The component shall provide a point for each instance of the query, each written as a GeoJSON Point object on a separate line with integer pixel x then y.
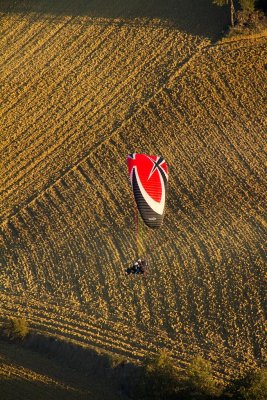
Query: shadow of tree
{"type": "Point", "coordinates": [198, 17]}
{"type": "Point", "coordinates": [51, 368]}
{"type": "Point", "coordinates": [23, 388]}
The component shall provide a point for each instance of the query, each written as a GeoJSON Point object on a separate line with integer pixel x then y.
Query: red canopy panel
{"type": "Point", "coordinates": [149, 180]}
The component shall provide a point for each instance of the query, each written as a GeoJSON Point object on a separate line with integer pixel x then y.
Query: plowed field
{"type": "Point", "coordinates": [79, 94]}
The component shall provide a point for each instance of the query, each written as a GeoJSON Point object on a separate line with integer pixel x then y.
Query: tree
{"type": "Point", "coordinates": [160, 380]}
{"type": "Point", "coordinates": [257, 388]}
{"type": "Point", "coordinates": [16, 328]}
{"type": "Point", "coordinates": [200, 379]}
{"type": "Point", "coordinates": [252, 386]}
{"type": "Point", "coordinates": [247, 6]}
{"type": "Point", "coordinates": [232, 8]}
{"type": "Point", "coordinates": [247, 19]}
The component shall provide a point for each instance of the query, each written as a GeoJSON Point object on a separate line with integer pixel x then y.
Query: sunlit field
{"type": "Point", "coordinates": [79, 93]}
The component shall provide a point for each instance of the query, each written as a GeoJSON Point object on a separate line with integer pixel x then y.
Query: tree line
{"type": "Point", "coordinates": [162, 381]}
{"type": "Point", "coordinates": [245, 15]}
{"type": "Point", "coordinates": [157, 378]}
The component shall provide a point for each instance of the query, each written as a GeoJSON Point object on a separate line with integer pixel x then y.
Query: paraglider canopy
{"type": "Point", "coordinates": [149, 180]}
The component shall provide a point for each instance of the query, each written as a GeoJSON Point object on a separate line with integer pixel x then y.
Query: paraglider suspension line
{"type": "Point", "coordinates": [148, 246]}
{"type": "Point", "coordinates": [149, 242]}
{"type": "Point", "coordinates": [137, 230]}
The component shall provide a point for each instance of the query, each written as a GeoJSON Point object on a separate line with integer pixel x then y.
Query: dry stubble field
{"type": "Point", "coordinates": [79, 94]}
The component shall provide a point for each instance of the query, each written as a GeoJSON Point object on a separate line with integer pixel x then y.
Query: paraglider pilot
{"type": "Point", "coordinates": [138, 267]}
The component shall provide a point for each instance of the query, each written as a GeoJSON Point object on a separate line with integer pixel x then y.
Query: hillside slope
{"type": "Point", "coordinates": [29, 375]}
{"type": "Point", "coordinates": [70, 82]}
{"type": "Point", "coordinates": [80, 94]}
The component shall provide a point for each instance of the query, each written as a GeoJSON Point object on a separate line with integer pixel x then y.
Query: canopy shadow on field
{"type": "Point", "coordinates": [197, 17]}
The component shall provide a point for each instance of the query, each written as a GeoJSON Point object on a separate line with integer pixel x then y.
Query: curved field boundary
{"type": "Point", "coordinates": [80, 85]}
{"type": "Point", "coordinates": [115, 131]}
{"type": "Point", "coordinates": [203, 47]}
